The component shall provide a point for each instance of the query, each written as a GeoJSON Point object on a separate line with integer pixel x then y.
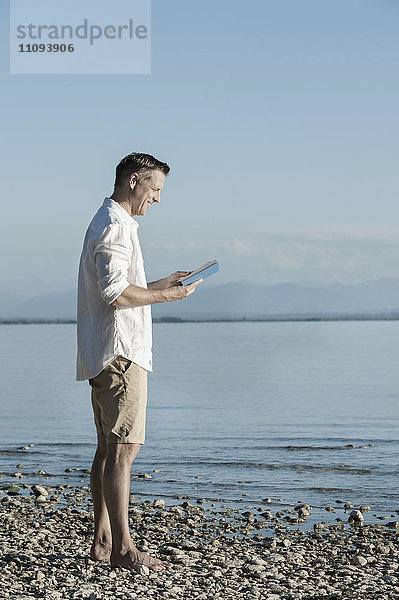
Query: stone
{"type": "Point", "coordinates": [159, 503]}
{"type": "Point", "coordinates": [39, 490]}
{"type": "Point", "coordinates": [356, 517]}
{"type": "Point", "coordinates": [142, 570]}
{"type": "Point", "coordinates": [359, 561]}
{"type": "Point", "coordinates": [40, 499]}
{"type": "Point", "coordinates": [392, 525]}
{"type": "Point", "coordinates": [303, 512]}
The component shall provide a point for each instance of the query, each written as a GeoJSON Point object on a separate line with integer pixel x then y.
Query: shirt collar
{"type": "Point", "coordinates": [109, 203]}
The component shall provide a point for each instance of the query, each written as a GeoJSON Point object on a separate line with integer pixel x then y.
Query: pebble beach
{"type": "Point", "coordinates": [218, 552]}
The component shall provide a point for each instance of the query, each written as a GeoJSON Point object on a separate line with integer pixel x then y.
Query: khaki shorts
{"type": "Point", "coordinates": [119, 400]}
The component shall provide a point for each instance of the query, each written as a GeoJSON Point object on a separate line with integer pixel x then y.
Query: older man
{"type": "Point", "coordinates": [114, 348]}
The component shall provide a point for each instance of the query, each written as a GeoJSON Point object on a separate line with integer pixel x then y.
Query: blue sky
{"type": "Point", "coordinates": [279, 119]}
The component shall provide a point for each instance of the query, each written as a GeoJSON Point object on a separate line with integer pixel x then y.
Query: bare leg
{"type": "Point", "coordinates": [102, 542]}
{"type": "Point", "coordinates": [116, 489]}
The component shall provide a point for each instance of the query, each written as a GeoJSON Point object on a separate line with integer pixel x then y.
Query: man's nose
{"type": "Point", "coordinates": [157, 197]}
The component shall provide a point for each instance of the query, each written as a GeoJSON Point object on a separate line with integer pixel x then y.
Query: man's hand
{"type": "Point", "coordinates": [167, 282]}
{"type": "Point", "coordinates": [179, 292]}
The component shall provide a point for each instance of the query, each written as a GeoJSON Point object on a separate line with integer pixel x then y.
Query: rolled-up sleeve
{"type": "Point", "coordinates": [113, 254]}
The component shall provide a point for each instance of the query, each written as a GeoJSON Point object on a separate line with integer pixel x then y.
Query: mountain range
{"type": "Point", "coordinates": [235, 301]}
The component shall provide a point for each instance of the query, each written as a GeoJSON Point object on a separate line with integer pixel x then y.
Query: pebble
{"type": "Point", "coordinates": [39, 490]}
{"type": "Point", "coordinates": [13, 490]}
{"type": "Point", "coordinates": [356, 516]}
{"type": "Point", "coordinates": [159, 503]}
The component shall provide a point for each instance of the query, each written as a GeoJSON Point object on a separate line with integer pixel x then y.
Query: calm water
{"type": "Point", "coordinates": [263, 409]}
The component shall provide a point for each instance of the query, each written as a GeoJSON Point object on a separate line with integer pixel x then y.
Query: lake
{"type": "Point", "coordinates": [293, 411]}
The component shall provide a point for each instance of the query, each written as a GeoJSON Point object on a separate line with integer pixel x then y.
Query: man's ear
{"type": "Point", "coordinates": [133, 180]}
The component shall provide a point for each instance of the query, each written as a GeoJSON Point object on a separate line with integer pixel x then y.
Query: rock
{"type": "Point", "coordinates": [41, 472]}
{"type": "Point", "coordinates": [303, 512]}
{"type": "Point", "coordinates": [381, 549]}
{"type": "Point", "coordinates": [142, 570]}
{"type": "Point", "coordinates": [356, 517]}
{"type": "Point", "coordinates": [40, 576]}
{"type": "Point", "coordinates": [40, 499]}
{"type": "Point", "coordinates": [267, 500]}
{"type": "Point", "coordinates": [359, 561]}
{"type": "Point", "coordinates": [392, 525]}
{"type": "Point", "coordinates": [176, 509]}
{"type": "Point", "coordinates": [270, 542]}
{"type": "Point", "coordinates": [13, 490]}
{"type": "Point", "coordinates": [159, 503]}
{"type": "Point", "coordinates": [39, 490]}
{"type": "Point", "coordinates": [364, 508]}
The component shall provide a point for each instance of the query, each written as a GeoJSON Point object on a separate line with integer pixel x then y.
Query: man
{"type": "Point", "coordinates": [114, 348]}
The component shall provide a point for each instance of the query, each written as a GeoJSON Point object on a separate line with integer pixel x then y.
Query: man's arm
{"type": "Point", "coordinates": [166, 282]}
{"type": "Point", "coordinates": [134, 295]}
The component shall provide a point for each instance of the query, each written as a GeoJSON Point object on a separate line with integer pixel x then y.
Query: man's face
{"type": "Point", "coordinates": [144, 194]}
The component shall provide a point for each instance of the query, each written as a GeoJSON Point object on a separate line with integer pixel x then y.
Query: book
{"type": "Point", "coordinates": [206, 270]}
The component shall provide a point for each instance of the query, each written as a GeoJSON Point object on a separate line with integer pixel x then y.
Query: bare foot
{"type": "Point", "coordinates": [133, 559]}
{"type": "Point", "coordinates": [100, 551]}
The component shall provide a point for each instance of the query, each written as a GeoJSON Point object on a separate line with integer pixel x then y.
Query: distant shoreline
{"type": "Point", "coordinates": [276, 319]}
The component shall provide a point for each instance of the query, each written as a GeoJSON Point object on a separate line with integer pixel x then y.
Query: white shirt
{"type": "Point", "coordinates": [111, 260]}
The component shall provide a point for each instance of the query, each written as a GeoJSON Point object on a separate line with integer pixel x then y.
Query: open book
{"type": "Point", "coordinates": [209, 268]}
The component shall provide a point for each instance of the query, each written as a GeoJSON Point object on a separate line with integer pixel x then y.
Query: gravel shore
{"type": "Point", "coordinates": [220, 552]}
